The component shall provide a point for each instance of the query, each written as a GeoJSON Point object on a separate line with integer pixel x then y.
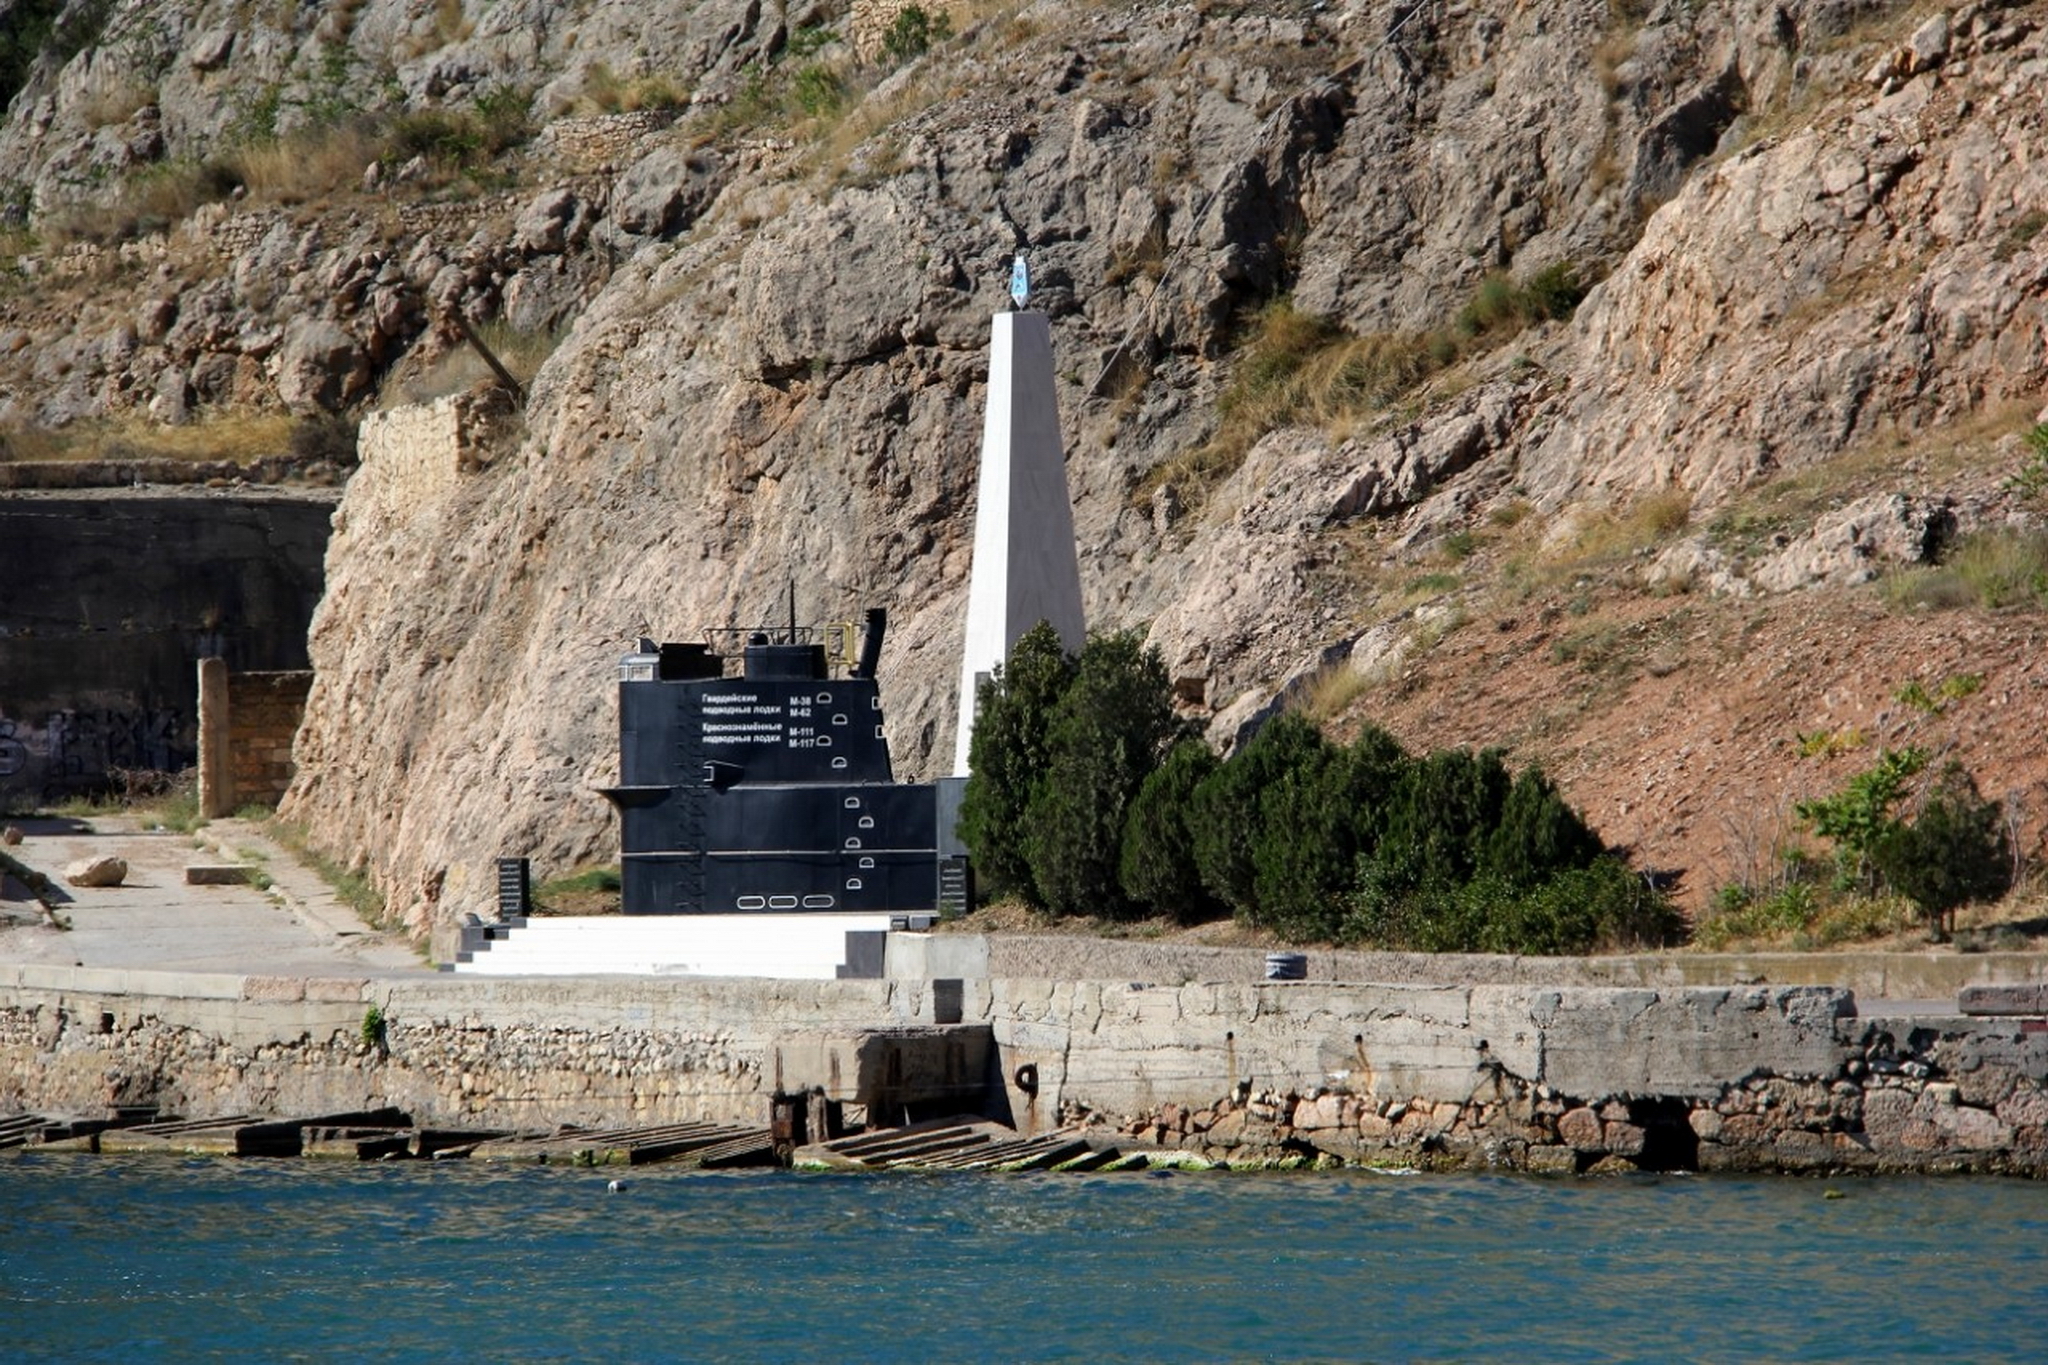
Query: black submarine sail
{"type": "Point", "coordinates": [771, 791]}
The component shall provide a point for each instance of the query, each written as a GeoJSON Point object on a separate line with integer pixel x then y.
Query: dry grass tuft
{"type": "Point", "coordinates": [117, 104]}
{"type": "Point", "coordinates": [1331, 692]}
{"type": "Point", "coordinates": [605, 92]}
{"type": "Point", "coordinates": [302, 169]}
{"type": "Point", "coordinates": [304, 166]}
{"type": "Point", "coordinates": [461, 369]}
{"type": "Point", "coordinates": [243, 436]}
{"type": "Point", "coordinates": [1996, 570]}
{"type": "Point", "coordinates": [1297, 368]}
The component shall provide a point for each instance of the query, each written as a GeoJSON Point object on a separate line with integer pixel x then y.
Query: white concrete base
{"type": "Point", "coordinates": [791, 947]}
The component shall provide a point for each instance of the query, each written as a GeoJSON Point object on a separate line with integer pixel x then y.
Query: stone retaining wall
{"type": "Point", "coordinates": [1875, 975]}
{"type": "Point", "coordinates": [246, 725]}
{"type": "Point", "coordinates": [1537, 1078]}
{"type": "Point", "coordinates": [55, 475]}
{"type": "Point", "coordinates": [610, 140]}
{"type": "Point", "coordinates": [447, 1050]}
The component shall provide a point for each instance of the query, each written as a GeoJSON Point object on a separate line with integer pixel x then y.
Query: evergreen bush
{"type": "Point", "coordinates": [1439, 821]}
{"type": "Point", "coordinates": [1009, 752]}
{"type": "Point", "coordinates": [1539, 834]}
{"type": "Point", "coordinates": [1106, 734]}
{"type": "Point", "coordinates": [1157, 859]}
{"type": "Point", "coordinates": [1226, 819]}
{"type": "Point", "coordinates": [914, 31]}
{"type": "Point", "coordinates": [1314, 822]}
{"type": "Point", "coordinates": [1573, 910]}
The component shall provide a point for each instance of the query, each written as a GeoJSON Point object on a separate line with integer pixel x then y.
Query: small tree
{"type": "Point", "coordinates": [1008, 756]}
{"type": "Point", "coordinates": [914, 30]}
{"type": "Point", "coordinates": [1859, 816]}
{"type": "Point", "coordinates": [1105, 735]}
{"type": "Point", "coordinates": [1953, 852]}
{"type": "Point", "coordinates": [1157, 859]}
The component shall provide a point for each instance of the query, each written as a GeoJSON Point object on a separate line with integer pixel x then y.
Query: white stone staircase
{"type": "Point", "coordinates": [813, 947]}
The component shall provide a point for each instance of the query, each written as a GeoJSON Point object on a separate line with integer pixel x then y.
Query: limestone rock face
{"type": "Point", "coordinates": [1802, 293]}
{"type": "Point", "coordinates": [1854, 543]}
{"type": "Point", "coordinates": [320, 368]}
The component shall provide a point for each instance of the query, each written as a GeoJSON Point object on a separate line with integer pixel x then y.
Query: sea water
{"type": "Point", "coordinates": [138, 1258]}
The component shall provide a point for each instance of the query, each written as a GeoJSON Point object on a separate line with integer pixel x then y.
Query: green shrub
{"type": "Point", "coordinates": [914, 31]}
{"type": "Point", "coordinates": [1009, 752]}
{"type": "Point", "coordinates": [1604, 905]}
{"type": "Point", "coordinates": [1950, 689]}
{"type": "Point", "coordinates": [1156, 864]}
{"type": "Point", "coordinates": [1440, 818]}
{"type": "Point", "coordinates": [1314, 823]}
{"type": "Point", "coordinates": [1555, 291]}
{"type": "Point", "coordinates": [1105, 734]}
{"type": "Point", "coordinates": [2030, 480]}
{"type": "Point", "coordinates": [818, 89]}
{"type": "Point", "coordinates": [2004, 568]}
{"type": "Point", "coordinates": [1953, 851]}
{"type": "Point", "coordinates": [1738, 916]}
{"type": "Point", "coordinates": [1858, 816]}
{"type": "Point", "coordinates": [1539, 835]}
{"type": "Point", "coordinates": [1928, 588]}
{"type": "Point", "coordinates": [1225, 818]}
{"type": "Point", "coordinates": [1501, 304]}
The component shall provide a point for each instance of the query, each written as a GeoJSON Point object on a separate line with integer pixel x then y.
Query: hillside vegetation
{"type": "Point", "coordinates": [1650, 390]}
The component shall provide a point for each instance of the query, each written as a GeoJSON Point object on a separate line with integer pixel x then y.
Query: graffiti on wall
{"type": "Point", "coordinates": [74, 751]}
{"type": "Point", "coordinates": [13, 753]}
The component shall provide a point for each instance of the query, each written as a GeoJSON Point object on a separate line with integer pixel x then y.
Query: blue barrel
{"type": "Point", "coordinates": [1286, 966]}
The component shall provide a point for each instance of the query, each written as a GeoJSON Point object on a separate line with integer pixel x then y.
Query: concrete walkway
{"type": "Point", "coordinates": [154, 920]}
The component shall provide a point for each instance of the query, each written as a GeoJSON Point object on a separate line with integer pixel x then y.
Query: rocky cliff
{"type": "Point", "coordinates": [1813, 332]}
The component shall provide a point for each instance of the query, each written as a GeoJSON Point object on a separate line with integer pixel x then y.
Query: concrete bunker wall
{"type": "Point", "coordinates": [110, 603]}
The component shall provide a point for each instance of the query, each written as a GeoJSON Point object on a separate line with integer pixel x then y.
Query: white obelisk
{"type": "Point", "coordinates": [1025, 566]}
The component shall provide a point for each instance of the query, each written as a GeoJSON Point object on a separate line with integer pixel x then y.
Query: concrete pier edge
{"type": "Point", "coordinates": [1521, 1075]}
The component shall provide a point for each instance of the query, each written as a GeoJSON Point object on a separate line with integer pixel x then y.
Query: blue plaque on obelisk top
{"type": "Point", "coordinates": [1020, 281]}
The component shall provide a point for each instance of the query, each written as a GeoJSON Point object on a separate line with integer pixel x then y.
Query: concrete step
{"type": "Point", "coordinates": [801, 947]}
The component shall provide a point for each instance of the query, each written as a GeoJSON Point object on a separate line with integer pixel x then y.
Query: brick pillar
{"type": "Point", "coordinates": [216, 773]}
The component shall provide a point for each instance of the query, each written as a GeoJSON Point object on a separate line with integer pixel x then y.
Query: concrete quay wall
{"type": "Point", "coordinates": [1871, 975]}
{"type": "Point", "coordinates": [1758, 1078]}
{"type": "Point", "coordinates": [531, 1052]}
{"type": "Point", "coordinates": [1529, 1077]}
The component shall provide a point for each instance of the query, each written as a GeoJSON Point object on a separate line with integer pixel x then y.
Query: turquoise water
{"type": "Point", "coordinates": [105, 1258]}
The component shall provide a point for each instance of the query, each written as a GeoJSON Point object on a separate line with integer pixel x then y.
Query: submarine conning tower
{"type": "Point", "coordinates": [771, 790]}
